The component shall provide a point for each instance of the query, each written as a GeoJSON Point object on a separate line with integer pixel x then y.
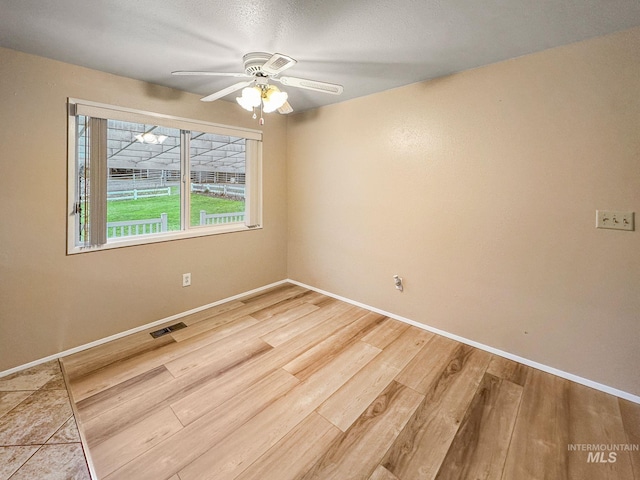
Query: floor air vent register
{"type": "Point", "coordinates": [169, 329]}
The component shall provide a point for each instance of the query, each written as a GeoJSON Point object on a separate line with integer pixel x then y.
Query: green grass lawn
{"type": "Point", "coordinates": [145, 208]}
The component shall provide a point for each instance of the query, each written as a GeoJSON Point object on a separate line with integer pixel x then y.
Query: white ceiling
{"type": "Point", "coordinates": [367, 46]}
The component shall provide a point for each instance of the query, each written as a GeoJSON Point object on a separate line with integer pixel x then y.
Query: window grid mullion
{"type": "Point", "coordinates": [185, 185]}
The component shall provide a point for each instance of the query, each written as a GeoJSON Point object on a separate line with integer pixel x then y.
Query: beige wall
{"type": "Point", "coordinates": [50, 302]}
{"type": "Point", "coordinates": [480, 189]}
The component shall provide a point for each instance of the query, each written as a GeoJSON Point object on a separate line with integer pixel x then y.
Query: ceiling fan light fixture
{"type": "Point", "coordinates": [250, 98]}
{"type": "Point", "coordinates": [273, 99]}
{"type": "Point", "coordinates": [242, 101]}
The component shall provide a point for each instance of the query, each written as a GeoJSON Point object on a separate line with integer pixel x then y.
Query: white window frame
{"type": "Point", "coordinates": [253, 174]}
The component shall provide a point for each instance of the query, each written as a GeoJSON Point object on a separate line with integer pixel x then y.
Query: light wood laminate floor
{"type": "Point", "coordinates": [291, 384]}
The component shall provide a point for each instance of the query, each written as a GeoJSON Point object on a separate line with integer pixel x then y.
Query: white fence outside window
{"type": "Point", "coordinates": [137, 227]}
{"type": "Point", "coordinates": [137, 193]}
{"type": "Point", "coordinates": [220, 189]}
{"type": "Point", "coordinates": [220, 218]}
{"type": "Point", "coordinates": [158, 225]}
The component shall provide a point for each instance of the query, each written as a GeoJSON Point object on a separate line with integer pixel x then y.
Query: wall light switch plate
{"type": "Point", "coordinates": [615, 220]}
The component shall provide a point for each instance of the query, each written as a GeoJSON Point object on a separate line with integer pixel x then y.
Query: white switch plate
{"type": "Point", "coordinates": [186, 279]}
{"type": "Point", "coordinates": [615, 220]}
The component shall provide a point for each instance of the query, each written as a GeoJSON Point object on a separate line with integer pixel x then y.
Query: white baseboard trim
{"type": "Point", "coordinates": [481, 346]}
{"type": "Point", "coordinates": [136, 330]}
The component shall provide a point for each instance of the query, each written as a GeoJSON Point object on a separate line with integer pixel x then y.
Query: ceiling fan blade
{"type": "Point", "coordinates": [211, 74]}
{"type": "Point", "coordinates": [226, 91]}
{"type": "Point", "coordinates": [278, 63]}
{"type": "Point", "coordinates": [314, 85]}
{"type": "Point", "coordinates": [285, 108]}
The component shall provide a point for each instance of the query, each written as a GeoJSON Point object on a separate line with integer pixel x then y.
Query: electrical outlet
{"type": "Point", "coordinates": [615, 220]}
{"type": "Point", "coordinates": [186, 279]}
{"type": "Point", "coordinates": [397, 280]}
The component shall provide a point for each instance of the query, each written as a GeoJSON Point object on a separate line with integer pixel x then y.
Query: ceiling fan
{"type": "Point", "coordinates": [259, 69]}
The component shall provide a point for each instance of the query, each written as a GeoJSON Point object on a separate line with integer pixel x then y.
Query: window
{"type": "Point", "coordinates": [138, 177]}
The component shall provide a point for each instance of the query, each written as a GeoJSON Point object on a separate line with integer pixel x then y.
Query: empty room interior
{"type": "Point", "coordinates": [320, 240]}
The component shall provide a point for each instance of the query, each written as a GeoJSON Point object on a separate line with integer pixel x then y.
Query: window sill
{"type": "Point", "coordinates": [161, 237]}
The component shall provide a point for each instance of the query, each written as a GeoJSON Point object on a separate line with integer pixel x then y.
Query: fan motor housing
{"type": "Point", "coordinates": [254, 61]}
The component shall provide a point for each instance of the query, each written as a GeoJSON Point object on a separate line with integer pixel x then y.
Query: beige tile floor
{"type": "Point", "coordinates": [38, 434]}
